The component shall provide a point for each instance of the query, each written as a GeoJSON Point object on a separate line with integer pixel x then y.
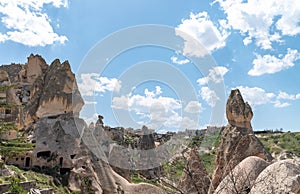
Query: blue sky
{"type": "Point", "coordinates": [251, 45]}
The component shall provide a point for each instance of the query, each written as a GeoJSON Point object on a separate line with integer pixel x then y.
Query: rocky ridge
{"type": "Point", "coordinates": [49, 115]}
{"type": "Point", "coordinates": [238, 140]}
{"type": "Point", "coordinates": [46, 107]}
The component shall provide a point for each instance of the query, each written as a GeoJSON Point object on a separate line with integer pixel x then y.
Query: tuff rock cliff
{"type": "Point", "coordinates": [49, 116]}
{"type": "Point", "coordinates": [238, 140]}
{"type": "Point", "coordinates": [195, 178]}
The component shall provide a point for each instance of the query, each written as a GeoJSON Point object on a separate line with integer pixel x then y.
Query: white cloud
{"type": "Point", "coordinates": [209, 96]}
{"type": "Point", "coordinates": [91, 119]}
{"type": "Point", "coordinates": [28, 24]}
{"type": "Point", "coordinates": [269, 64]}
{"type": "Point", "coordinates": [162, 111]}
{"type": "Point", "coordinates": [120, 102]}
{"type": "Point", "coordinates": [199, 27]}
{"type": "Point", "coordinates": [278, 104]}
{"type": "Point", "coordinates": [216, 75]}
{"type": "Point", "coordinates": [193, 107]}
{"type": "Point", "coordinates": [286, 96]}
{"type": "Point", "coordinates": [257, 20]}
{"type": "Point", "coordinates": [178, 61]}
{"type": "Point", "coordinates": [256, 96]}
{"type": "Point", "coordinates": [87, 102]}
{"type": "Point", "coordinates": [143, 103]}
{"type": "Point", "coordinates": [289, 21]}
{"type": "Point", "coordinates": [92, 83]}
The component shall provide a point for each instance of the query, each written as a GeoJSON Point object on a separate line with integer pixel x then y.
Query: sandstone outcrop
{"type": "Point", "coordinates": [195, 178]}
{"type": "Point", "coordinates": [242, 177]}
{"type": "Point", "coordinates": [280, 177]}
{"type": "Point", "coordinates": [52, 103]}
{"type": "Point", "coordinates": [238, 140]}
{"type": "Point", "coordinates": [43, 90]}
{"type": "Point", "coordinates": [36, 67]}
{"type": "Point", "coordinates": [53, 93]}
{"type": "Point", "coordinates": [238, 112]}
{"type": "Point", "coordinates": [7, 96]}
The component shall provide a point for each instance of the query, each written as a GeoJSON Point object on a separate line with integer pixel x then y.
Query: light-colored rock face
{"type": "Point", "coordinates": [58, 90]}
{"type": "Point", "coordinates": [52, 122]}
{"type": "Point", "coordinates": [4, 81]}
{"type": "Point", "coordinates": [242, 177]}
{"type": "Point", "coordinates": [280, 177]}
{"type": "Point", "coordinates": [35, 66]}
{"type": "Point", "coordinates": [195, 178]}
{"type": "Point", "coordinates": [57, 105]}
{"type": "Point", "coordinates": [236, 145]}
{"type": "Point", "coordinates": [238, 140]}
{"type": "Point", "coordinates": [238, 112]}
{"type": "Point", "coordinates": [4, 78]}
{"type": "Point", "coordinates": [54, 93]}
{"type": "Point", "coordinates": [43, 90]}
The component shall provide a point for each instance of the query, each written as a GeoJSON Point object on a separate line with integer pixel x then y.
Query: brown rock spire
{"type": "Point", "coordinates": [238, 140]}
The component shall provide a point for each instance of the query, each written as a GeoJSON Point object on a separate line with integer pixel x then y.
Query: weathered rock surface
{"type": "Point", "coordinates": [55, 92]}
{"type": "Point", "coordinates": [242, 177]}
{"type": "Point", "coordinates": [58, 91]}
{"type": "Point", "coordinates": [36, 66]}
{"type": "Point", "coordinates": [280, 177]}
{"type": "Point", "coordinates": [8, 96]}
{"type": "Point", "coordinates": [238, 140]}
{"type": "Point", "coordinates": [110, 181]}
{"type": "Point", "coordinates": [4, 82]}
{"type": "Point", "coordinates": [52, 104]}
{"type": "Point", "coordinates": [195, 178]}
{"type": "Point", "coordinates": [43, 90]}
{"type": "Point", "coordinates": [238, 112]}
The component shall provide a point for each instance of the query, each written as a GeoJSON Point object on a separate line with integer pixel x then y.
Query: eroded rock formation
{"type": "Point", "coordinates": [238, 140]}
{"type": "Point", "coordinates": [280, 177]}
{"type": "Point", "coordinates": [242, 177]}
{"type": "Point", "coordinates": [54, 92]}
{"type": "Point", "coordinates": [52, 103]}
{"type": "Point", "coordinates": [238, 112]}
{"type": "Point", "coordinates": [195, 178]}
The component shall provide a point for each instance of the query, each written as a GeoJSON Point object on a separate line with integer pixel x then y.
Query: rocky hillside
{"type": "Point", "coordinates": [41, 130]}
{"type": "Point", "coordinates": [282, 145]}
{"type": "Point", "coordinates": [42, 139]}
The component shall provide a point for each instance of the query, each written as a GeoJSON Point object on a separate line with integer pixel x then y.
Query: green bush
{"type": "Point", "coordinates": [16, 186]}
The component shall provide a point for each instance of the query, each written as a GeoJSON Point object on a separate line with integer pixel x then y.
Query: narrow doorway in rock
{"type": "Point", "coordinates": [61, 159]}
{"type": "Point", "coordinates": [27, 162]}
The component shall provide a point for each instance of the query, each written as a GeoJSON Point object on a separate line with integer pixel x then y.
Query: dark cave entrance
{"type": "Point", "coordinates": [45, 154]}
{"type": "Point", "coordinates": [27, 162]}
{"type": "Point", "coordinates": [61, 159]}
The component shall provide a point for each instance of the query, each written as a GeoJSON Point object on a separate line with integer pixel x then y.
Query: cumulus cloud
{"type": "Point", "coordinates": [178, 61]}
{"type": "Point", "coordinates": [143, 103]}
{"type": "Point", "coordinates": [255, 95]}
{"type": "Point", "coordinates": [193, 107]}
{"type": "Point", "coordinates": [258, 21]}
{"type": "Point", "coordinates": [91, 83]}
{"type": "Point", "coordinates": [199, 27]}
{"type": "Point", "coordinates": [161, 111]}
{"type": "Point", "coordinates": [27, 23]}
{"type": "Point", "coordinates": [87, 102]}
{"type": "Point", "coordinates": [269, 64]}
{"type": "Point", "coordinates": [216, 75]}
{"type": "Point", "coordinates": [283, 96]}
{"type": "Point", "coordinates": [209, 96]}
{"type": "Point", "coordinates": [286, 96]}
{"type": "Point", "coordinates": [258, 96]}
{"type": "Point", "coordinates": [278, 104]}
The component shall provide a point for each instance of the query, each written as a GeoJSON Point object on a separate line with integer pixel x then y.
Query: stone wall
{"type": "Point", "coordinates": [25, 185]}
